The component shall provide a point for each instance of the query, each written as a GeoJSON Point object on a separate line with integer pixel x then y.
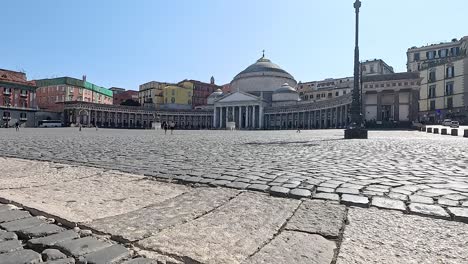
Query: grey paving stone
{"type": "Point", "coordinates": [459, 213]}
{"type": "Point", "coordinates": [51, 240]}
{"type": "Point", "coordinates": [428, 209]}
{"type": "Point", "coordinates": [4, 236]}
{"type": "Point", "coordinates": [11, 215]}
{"type": "Point", "coordinates": [327, 196]}
{"type": "Point", "coordinates": [325, 190]}
{"type": "Point", "coordinates": [227, 235]}
{"type": "Point", "coordinates": [40, 231]}
{"type": "Point", "coordinates": [238, 185]}
{"type": "Point", "coordinates": [290, 185]}
{"type": "Point", "coordinates": [398, 196]}
{"type": "Point", "coordinates": [318, 217]}
{"type": "Point", "coordinates": [4, 207]}
{"type": "Point", "coordinates": [355, 200]}
{"type": "Point", "coordinates": [295, 247]}
{"type": "Point", "coordinates": [258, 187]}
{"type": "Point", "coordinates": [61, 261]}
{"type": "Point", "coordinates": [387, 203]}
{"type": "Point", "coordinates": [150, 220]}
{"type": "Point", "coordinates": [421, 199]}
{"type": "Point", "coordinates": [110, 255]}
{"type": "Point", "coordinates": [141, 261]}
{"type": "Point", "coordinates": [10, 246]}
{"type": "Point", "coordinates": [300, 193]}
{"type": "Point", "coordinates": [52, 254]}
{"type": "Point", "coordinates": [447, 202]}
{"type": "Point", "coordinates": [279, 191]}
{"type": "Point", "coordinates": [25, 256]}
{"type": "Point", "coordinates": [347, 191]}
{"type": "Point", "coordinates": [388, 236]}
{"type": "Point", "coordinates": [22, 224]}
{"type": "Point", "coordinates": [81, 246]}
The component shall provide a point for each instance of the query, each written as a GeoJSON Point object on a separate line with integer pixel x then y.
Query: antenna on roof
{"type": "Point", "coordinates": [263, 55]}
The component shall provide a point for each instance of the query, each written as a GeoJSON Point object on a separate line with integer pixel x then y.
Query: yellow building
{"type": "Point", "coordinates": [177, 97]}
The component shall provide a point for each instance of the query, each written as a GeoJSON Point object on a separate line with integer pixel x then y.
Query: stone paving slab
{"type": "Point", "coordinates": [26, 256]}
{"type": "Point", "coordinates": [51, 240]}
{"type": "Point", "coordinates": [22, 224]}
{"type": "Point", "coordinates": [11, 215]}
{"type": "Point", "coordinates": [228, 235]}
{"type": "Point", "coordinates": [10, 246]}
{"type": "Point", "coordinates": [297, 248]}
{"type": "Point", "coordinates": [148, 221]}
{"type": "Point", "coordinates": [385, 236]}
{"type": "Point", "coordinates": [86, 199]}
{"type": "Point", "coordinates": [81, 246]}
{"type": "Point", "coordinates": [318, 217]}
{"type": "Point", "coordinates": [109, 255]}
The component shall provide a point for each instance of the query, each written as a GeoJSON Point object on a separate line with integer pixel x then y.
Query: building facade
{"type": "Point", "coordinates": [443, 70]}
{"type": "Point", "coordinates": [177, 97]}
{"type": "Point", "coordinates": [151, 95]}
{"type": "Point", "coordinates": [17, 99]}
{"type": "Point", "coordinates": [201, 90]}
{"type": "Point", "coordinates": [52, 93]}
{"type": "Point", "coordinates": [121, 97]}
{"type": "Point", "coordinates": [420, 58]}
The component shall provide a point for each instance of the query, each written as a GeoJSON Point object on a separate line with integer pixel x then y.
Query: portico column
{"type": "Point", "coordinates": [247, 117]}
{"type": "Point", "coordinates": [214, 117]}
{"type": "Point", "coordinates": [261, 117]}
{"type": "Point", "coordinates": [226, 119]}
{"type": "Point", "coordinates": [396, 106]}
{"type": "Point", "coordinates": [379, 106]}
{"type": "Point", "coordinates": [254, 110]}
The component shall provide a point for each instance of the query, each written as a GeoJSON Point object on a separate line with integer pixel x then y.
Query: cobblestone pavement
{"type": "Point", "coordinates": [411, 171]}
{"type": "Point", "coordinates": [140, 220]}
{"type": "Point", "coordinates": [27, 239]}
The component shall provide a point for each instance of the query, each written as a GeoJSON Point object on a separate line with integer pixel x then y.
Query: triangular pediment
{"type": "Point", "coordinates": [239, 97]}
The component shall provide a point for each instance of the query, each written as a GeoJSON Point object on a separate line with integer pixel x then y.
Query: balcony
{"type": "Point", "coordinates": [23, 119]}
{"type": "Point", "coordinates": [6, 92]}
{"type": "Point", "coordinates": [24, 95]}
{"type": "Point", "coordinates": [6, 117]}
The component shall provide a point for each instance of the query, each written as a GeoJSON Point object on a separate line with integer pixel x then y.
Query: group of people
{"type": "Point", "coordinates": [166, 126]}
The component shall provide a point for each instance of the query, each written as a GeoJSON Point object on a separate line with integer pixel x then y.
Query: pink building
{"type": "Point", "coordinates": [121, 97]}
{"type": "Point", "coordinates": [52, 93]}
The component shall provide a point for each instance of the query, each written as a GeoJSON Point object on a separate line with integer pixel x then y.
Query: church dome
{"type": "Point", "coordinates": [285, 88]}
{"type": "Point", "coordinates": [214, 96]}
{"type": "Point", "coordinates": [263, 65]}
{"type": "Point", "coordinates": [263, 76]}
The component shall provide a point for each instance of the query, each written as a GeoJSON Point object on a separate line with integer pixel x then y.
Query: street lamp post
{"type": "Point", "coordinates": [355, 130]}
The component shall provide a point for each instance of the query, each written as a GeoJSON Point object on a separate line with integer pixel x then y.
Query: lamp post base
{"type": "Point", "coordinates": [352, 133]}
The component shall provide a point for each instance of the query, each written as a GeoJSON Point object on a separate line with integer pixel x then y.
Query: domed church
{"type": "Point", "coordinates": [262, 84]}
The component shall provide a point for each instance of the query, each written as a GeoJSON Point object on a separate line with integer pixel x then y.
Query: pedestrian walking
{"type": "Point", "coordinates": [17, 126]}
{"type": "Point", "coordinates": [165, 128]}
{"type": "Point", "coordinates": [80, 127]}
{"type": "Point", "coordinates": [298, 130]}
{"type": "Point", "coordinates": [172, 127]}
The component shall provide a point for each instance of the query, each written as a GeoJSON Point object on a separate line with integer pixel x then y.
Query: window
{"type": "Point", "coordinates": [449, 88]}
{"type": "Point", "coordinates": [306, 97]}
{"type": "Point", "coordinates": [189, 102]}
{"type": "Point", "coordinates": [388, 84]}
{"type": "Point", "coordinates": [450, 72]}
{"type": "Point", "coordinates": [337, 93]}
{"type": "Point", "coordinates": [432, 91]}
{"type": "Point", "coordinates": [173, 92]}
{"type": "Point", "coordinates": [443, 53]}
{"type": "Point", "coordinates": [172, 99]}
{"type": "Point", "coordinates": [371, 70]}
{"type": "Point", "coordinates": [365, 86]}
{"type": "Point", "coordinates": [432, 105]}
{"type": "Point", "coordinates": [382, 85]}
{"type": "Point", "coordinates": [416, 56]}
{"type": "Point", "coordinates": [455, 51]}
{"type": "Point", "coordinates": [330, 95]}
{"type": "Point", "coordinates": [399, 84]}
{"type": "Point", "coordinates": [393, 84]}
{"type": "Point", "coordinates": [432, 76]}
{"type": "Point", "coordinates": [311, 96]}
{"type": "Point", "coordinates": [406, 83]}
{"type": "Point", "coordinates": [450, 103]}
{"type": "Point", "coordinates": [344, 92]}
{"type": "Point", "coordinates": [371, 86]}
{"type": "Point", "coordinates": [431, 54]}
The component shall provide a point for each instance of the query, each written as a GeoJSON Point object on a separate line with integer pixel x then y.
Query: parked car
{"type": "Point", "coordinates": [447, 122]}
{"type": "Point", "coordinates": [454, 124]}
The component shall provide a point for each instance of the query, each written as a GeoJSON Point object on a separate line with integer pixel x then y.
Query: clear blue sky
{"type": "Point", "coordinates": [125, 43]}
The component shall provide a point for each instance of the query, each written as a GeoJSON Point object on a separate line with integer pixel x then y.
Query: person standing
{"type": "Point", "coordinates": [17, 126]}
{"type": "Point", "coordinates": [165, 128]}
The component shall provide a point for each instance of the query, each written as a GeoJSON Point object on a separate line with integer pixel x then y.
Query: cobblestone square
{"type": "Point", "coordinates": [408, 170]}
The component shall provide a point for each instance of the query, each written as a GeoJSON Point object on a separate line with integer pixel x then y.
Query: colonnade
{"type": "Point", "coordinates": [334, 117]}
{"type": "Point", "coordinates": [243, 116]}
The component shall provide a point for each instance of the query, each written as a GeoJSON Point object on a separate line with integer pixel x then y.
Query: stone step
{"type": "Point", "coordinates": [51, 240]}
{"type": "Point", "coordinates": [25, 256]}
{"type": "Point", "coordinates": [81, 246]}
{"type": "Point", "coordinates": [110, 255]}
